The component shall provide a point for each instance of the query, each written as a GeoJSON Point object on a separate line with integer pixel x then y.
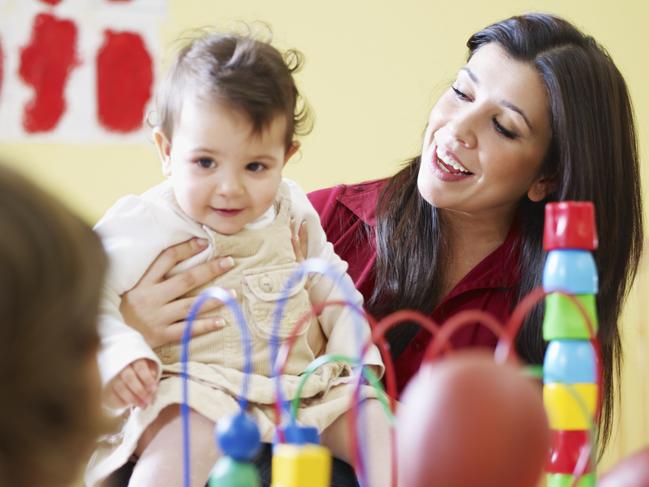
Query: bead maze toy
{"type": "Point", "coordinates": [518, 432]}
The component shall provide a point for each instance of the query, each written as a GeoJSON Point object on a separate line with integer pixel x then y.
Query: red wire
{"type": "Point", "coordinates": [287, 346]}
{"type": "Point", "coordinates": [441, 337]}
{"type": "Point", "coordinates": [503, 352]}
{"type": "Point", "coordinates": [378, 338]}
{"type": "Point", "coordinates": [462, 319]}
{"type": "Point", "coordinates": [582, 462]}
{"type": "Point", "coordinates": [505, 349]}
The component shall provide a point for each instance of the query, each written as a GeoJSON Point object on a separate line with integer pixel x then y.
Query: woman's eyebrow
{"type": "Point", "coordinates": [504, 103]}
{"type": "Point", "coordinates": [473, 77]}
{"type": "Point", "coordinates": [513, 107]}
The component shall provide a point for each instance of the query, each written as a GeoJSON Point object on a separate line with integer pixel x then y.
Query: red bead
{"type": "Point", "coordinates": [570, 225]}
{"type": "Point", "coordinates": [565, 448]}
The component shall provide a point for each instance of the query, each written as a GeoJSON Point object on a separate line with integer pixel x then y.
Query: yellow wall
{"type": "Point", "coordinates": [373, 71]}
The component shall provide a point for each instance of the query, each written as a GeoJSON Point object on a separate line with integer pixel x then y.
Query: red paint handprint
{"type": "Point", "coordinates": [45, 64]}
{"type": "Point", "coordinates": [124, 81]}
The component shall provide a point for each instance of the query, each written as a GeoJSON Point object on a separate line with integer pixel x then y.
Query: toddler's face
{"type": "Point", "coordinates": [224, 175]}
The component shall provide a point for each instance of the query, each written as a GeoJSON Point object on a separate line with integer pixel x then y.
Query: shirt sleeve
{"type": "Point", "coordinates": [132, 237]}
{"type": "Point", "coordinates": [339, 324]}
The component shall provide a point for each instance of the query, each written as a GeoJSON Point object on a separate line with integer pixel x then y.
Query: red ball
{"type": "Point", "coordinates": [466, 420]}
{"type": "Point", "coordinates": [633, 471]}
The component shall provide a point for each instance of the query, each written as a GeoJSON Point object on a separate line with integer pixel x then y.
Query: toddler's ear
{"type": "Point", "coordinates": [292, 149]}
{"type": "Point", "coordinates": [163, 146]}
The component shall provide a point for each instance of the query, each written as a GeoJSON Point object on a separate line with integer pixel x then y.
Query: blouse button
{"type": "Point", "coordinates": [266, 284]}
{"type": "Point", "coordinates": [418, 346]}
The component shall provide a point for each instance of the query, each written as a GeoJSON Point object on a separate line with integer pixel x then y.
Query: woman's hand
{"type": "Point", "coordinates": [155, 307]}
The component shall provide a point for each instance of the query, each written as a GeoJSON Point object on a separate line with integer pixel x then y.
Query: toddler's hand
{"type": "Point", "coordinates": [134, 385]}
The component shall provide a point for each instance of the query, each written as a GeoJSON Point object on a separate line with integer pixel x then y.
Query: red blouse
{"type": "Point", "coordinates": [348, 211]}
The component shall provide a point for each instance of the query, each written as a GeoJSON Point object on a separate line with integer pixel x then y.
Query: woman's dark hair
{"type": "Point", "coordinates": [247, 74]}
{"type": "Point", "coordinates": [592, 156]}
{"type": "Point", "coordinates": [51, 273]}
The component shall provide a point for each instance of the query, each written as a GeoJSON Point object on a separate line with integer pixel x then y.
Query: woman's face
{"type": "Point", "coordinates": [486, 138]}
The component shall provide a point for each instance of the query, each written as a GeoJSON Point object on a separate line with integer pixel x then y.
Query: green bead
{"type": "Point", "coordinates": [563, 319]}
{"type": "Point", "coordinates": [229, 473]}
{"type": "Point", "coordinates": [565, 480]}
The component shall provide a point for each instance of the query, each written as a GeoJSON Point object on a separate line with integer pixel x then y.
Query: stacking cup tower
{"type": "Point", "coordinates": [569, 369]}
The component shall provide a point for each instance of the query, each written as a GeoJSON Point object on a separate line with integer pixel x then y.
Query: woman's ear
{"type": "Point", "coordinates": [292, 149]}
{"type": "Point", "coordinates": [163, 147]}
{"type": "Point", "coordinates": [541, 188]}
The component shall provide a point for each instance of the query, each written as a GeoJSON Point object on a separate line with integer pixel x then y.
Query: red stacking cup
{"type": "Point", "coordinates": [570, 225]}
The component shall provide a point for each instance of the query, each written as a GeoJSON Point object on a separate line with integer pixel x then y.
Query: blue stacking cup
{"type": "Point", "coordinates": [570, 270]}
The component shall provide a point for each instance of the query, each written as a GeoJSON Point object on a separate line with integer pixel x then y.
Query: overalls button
{"type": "Point", "coordinates": [266, 284]}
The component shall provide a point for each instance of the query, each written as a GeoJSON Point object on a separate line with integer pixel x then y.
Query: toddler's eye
{"type": "Point", "coordinates": [255, 167]}
{"type": "Point", "coordinates": [205, 162]}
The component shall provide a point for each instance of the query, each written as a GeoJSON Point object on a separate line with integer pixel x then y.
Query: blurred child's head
{"type": "Point", "coordinates": [51, 271]}
{"type": "Point", "coordinates": [229, 111]}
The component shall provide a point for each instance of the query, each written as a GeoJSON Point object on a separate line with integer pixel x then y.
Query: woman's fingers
{"type": "Point", "coordinates": [174, 333]}
{"type": "Point", "coordinates": [156, 305]}
{"type": "Point", "coordinates": [179, 310]}
{"type": "Point", "coordinates": [171, 256]}
{"type": "Point", "coordinates": [180, 284]}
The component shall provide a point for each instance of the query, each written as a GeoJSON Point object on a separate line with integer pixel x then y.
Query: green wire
{"type": "Point", "coordinates": [534, 371]}
{"type": "Point", "coordinates": [367, 373]}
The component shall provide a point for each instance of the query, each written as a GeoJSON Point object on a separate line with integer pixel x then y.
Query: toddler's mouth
{"type": "Point", "coordinates": [228, 211]}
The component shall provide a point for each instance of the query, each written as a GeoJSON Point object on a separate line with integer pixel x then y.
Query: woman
{"type": "Point", "coordinates": [539, 113]}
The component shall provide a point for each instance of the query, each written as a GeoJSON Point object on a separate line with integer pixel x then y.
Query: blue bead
{"type": "Point", "coordinates": [296, 434]}
{"type": "Point", "coordinates": [238, 436]}
{"type": "Point", "coordinates": [569, 362]}
{"type": "Point", "coordinates": [570, 270]}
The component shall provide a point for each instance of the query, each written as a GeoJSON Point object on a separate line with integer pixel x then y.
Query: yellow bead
{"type": "Point", "coordinates": [301, 465]}
{"type": "Point", "coordinates": [570, 406]}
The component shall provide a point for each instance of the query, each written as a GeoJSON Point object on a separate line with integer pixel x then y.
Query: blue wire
{"type": "Point", "coordinates": [228, 300]}
{"type": "Point", "coordinates": [315, 266]}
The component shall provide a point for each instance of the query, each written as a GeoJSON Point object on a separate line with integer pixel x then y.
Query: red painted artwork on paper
{"type": "Point", "coordinates": [124, 81]}
{"type": "Point", "coordinates": [45, 64]}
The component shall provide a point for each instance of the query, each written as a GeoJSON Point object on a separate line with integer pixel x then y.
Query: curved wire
{"type": "Point", "coordinates": [284, 352]}
{"type": "Point", "coordinates": [460, 320]}
{"type": "Point", "coordinates": [504, 350]}
{"type": "Point", "coordinates": [287, 347]}
{"type": "Point", "coordinates": [230, 301]}
{"type": "Point", "coordinates": [588, 452]}
{"type": "Point", "coordinates": [329, 358]}
{"type": "Point", "coordinates": [378, 338]}
{"type": "Point", "coordinates": [317, 266]}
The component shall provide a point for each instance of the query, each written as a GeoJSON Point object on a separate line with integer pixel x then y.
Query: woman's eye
{"type": "Point", "coordinates": [460, 94]}
{"type": "Point", "coordinates": [255, 167]}
{"type": "Point", "coordinates": [205, 162]}
{"type": "Point", "coordinates": [503, 131]}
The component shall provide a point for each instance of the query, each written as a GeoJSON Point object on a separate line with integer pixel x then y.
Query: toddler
{"type": "Point", "coordinates": [228, 112]}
